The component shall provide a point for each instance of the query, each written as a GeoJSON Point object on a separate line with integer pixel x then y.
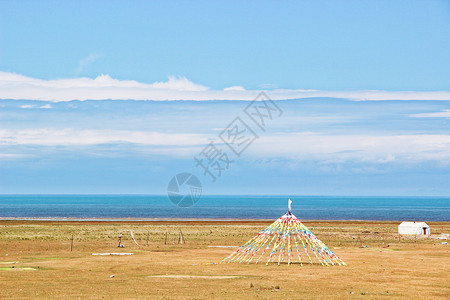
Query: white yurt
{"type": "Point", "coordinates": [416, 228]}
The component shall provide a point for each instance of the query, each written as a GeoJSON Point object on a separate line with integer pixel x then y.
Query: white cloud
{"type": "Point", "coordinates": [85, 61]}
{"type": "Point", "coordinates": [368, 148]}
{"type": "Point", "coordinates": [67, 137]}
{"type": "Point", "coordinates": [179, 84]}
{"type": "Point", "coordinates": [388, 158]}
{"type": "Point", "coordinates": [234, 88]}
{"type": "Point", "coordinates": [15, 86]}
{"type": "Point", "coordinates": [304, 146]}
{"type": "Point", "coordinates": [442, 114]}
{"type": "Point", "coordinates": [5, 156]}
{"type": "Point", "coordinates": [32, 106]}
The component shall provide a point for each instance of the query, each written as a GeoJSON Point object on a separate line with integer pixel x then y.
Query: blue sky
{"type": "Point", "coordinates": [326, 45]}
{"type": "Point", "coordinates": [363, 86]}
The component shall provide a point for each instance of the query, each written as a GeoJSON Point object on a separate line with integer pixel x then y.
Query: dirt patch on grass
{"type": "Point", "coordinates": [18, 269]}
{"type": "Point", "coordinates": [199, 276]}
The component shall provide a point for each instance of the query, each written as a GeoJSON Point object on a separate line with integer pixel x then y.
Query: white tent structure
{"type": "Point", "coordinates": [415, 228]}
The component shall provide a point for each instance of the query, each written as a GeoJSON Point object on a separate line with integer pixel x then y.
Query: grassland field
{"type": "Point", "coordinates": [36, 261]}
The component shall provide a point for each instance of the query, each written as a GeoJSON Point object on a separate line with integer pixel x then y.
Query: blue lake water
{"type": "Point", "coordinates": [228, 207]}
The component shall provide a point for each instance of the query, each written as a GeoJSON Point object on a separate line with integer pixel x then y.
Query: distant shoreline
{"type": "Point", "coordinates": [187, 221]}
{"type": "Point", "coordinates": [224, 208]}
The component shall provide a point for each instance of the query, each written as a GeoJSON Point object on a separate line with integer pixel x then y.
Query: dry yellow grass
{"type": "Point", "coordinates": [44, 267]}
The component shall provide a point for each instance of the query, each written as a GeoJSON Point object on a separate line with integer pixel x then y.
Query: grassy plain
{"type": "Point", "coordinates": [36, 262]}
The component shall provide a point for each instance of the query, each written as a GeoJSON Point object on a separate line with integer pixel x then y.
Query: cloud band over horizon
{"type": "Point", "coordinates": [103, 87]}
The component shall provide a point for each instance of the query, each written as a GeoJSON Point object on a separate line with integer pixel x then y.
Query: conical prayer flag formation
{"type": "Point", "coordinates": [282, 242]}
